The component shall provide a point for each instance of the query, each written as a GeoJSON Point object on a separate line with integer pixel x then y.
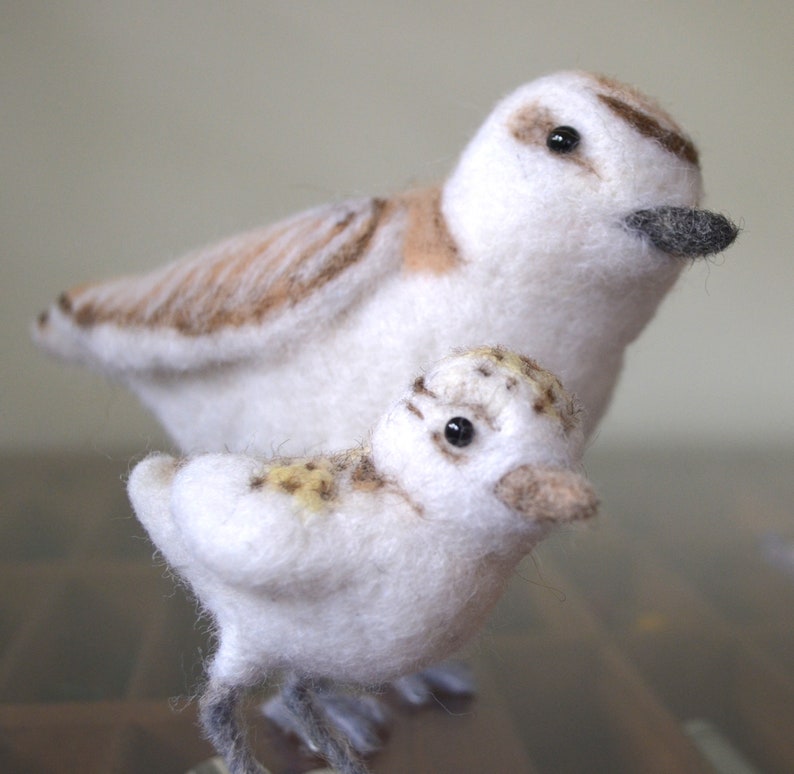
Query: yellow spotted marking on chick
{"type": "Point", "coordinates": [311, 483]}
{"type": "Point", "coordinates": [551, 398]}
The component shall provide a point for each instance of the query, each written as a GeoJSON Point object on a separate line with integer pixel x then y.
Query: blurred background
{"type": "Point", "coordinates": [132, 132]}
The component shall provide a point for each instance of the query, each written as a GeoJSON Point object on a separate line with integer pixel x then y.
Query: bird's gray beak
{"type": "Point", "coordinates": [547, 494]}
{"type": "Point", "coordinates": [683, 231]}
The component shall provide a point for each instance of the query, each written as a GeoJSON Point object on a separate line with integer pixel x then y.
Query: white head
{"type": "Point", "coordinates": [478, 421]}
{"type": "Point", "coordinates": [558, 167]}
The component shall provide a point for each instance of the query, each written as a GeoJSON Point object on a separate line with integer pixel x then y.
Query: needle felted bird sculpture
{"type": "Point", "coordinates": [564, 223]}
{"type": "Point", "coordinates": [366, 565]}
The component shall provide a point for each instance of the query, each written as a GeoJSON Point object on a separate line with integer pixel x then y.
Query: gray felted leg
{"type": "Point", "coordinates": [220, 715]}
{"type": "Point", "coordinates": [324, 739]}
{"type": "Point", "coordinates": [362, 720]}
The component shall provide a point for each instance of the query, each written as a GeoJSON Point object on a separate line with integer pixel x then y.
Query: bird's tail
{"type": "Point", "coordinates": [56, 331]}
{"type": "Point", "coordinates": [83, 325]}
{"type": "Point", "coordinates": [149, 489]}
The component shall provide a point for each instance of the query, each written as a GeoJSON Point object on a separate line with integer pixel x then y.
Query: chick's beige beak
{"type": "Point", "coordinates": [547, 494]}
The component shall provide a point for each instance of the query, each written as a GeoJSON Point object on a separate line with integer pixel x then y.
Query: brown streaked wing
{"type": "Point", "coordinates": [240, 281]}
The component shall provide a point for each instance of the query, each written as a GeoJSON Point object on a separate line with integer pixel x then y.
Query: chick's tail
{"type": "Point", "coordinates": [149, 488]}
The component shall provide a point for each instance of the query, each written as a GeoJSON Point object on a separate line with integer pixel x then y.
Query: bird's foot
{"type": "Point", "coordinates": [453, 678]}
{"type": "Point", "coordinates": [362, 720]}
{"type": "Point", "coordinates": [314, 723]}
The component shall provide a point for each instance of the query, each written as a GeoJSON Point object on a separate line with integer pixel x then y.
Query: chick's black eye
{"type": "Point", "coordinates": [563, 139]}
{"type": "Point", "coordinates": [459, 431]}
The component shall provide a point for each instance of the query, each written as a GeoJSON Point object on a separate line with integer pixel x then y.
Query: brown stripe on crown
{"type": "Point", "coordinates": [207, 297]}
{"type": "Point", "coordinates": [428, 245]}
{"type": "Point", "coordinates": [632, 96]}
{"type": "Point", "coordinates": [670, 139]}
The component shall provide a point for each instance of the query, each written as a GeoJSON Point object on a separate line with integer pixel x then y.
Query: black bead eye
{"type": "Point", "coordinates": [563, 139]}
{"type": "Point", "coordinates": [459, 431]}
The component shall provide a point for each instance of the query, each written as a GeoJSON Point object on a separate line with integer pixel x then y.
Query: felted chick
{"type": "Point", "coordinates": [367, 565]}
{"type": "Point", "coordinates": [565, 222]}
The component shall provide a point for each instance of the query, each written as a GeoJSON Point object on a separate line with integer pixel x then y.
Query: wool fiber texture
{"type": "Point", "coordinates": [365, 566]}
{"type": "Point", "coordinates": [297, 336]}
{"type": "Point", "coordinates": [371, 564]}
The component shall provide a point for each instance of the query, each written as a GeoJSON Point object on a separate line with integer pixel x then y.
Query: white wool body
{"type": "Point", "coordinates": [318, 398]}
{"type": "Point", "coordinates": [297, 336]}
{"type": "Point", "coordinates": [346, 597]}
{"type": "Point", "coordinates": [373, 564]}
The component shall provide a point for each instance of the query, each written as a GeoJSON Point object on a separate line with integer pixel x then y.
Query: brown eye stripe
{"type": "Point", "coordinates": [532, 124]}
{"type": "Point", "coordinates": [414, 410]}
{"type": "Point", "coordinates": [649, 127]}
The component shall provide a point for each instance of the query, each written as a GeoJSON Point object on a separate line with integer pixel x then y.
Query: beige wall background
{"type": "Point", "coordinates": [132, 131]}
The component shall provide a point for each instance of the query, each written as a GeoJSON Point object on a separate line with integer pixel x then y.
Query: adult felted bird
{"type": "Point", "coordinates": [370, 564]}
{"type": "Point", "coordinates": [565, 222]}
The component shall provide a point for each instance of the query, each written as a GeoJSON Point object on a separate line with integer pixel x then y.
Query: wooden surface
{"type": "Point", "coordinates": [678, 605]}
